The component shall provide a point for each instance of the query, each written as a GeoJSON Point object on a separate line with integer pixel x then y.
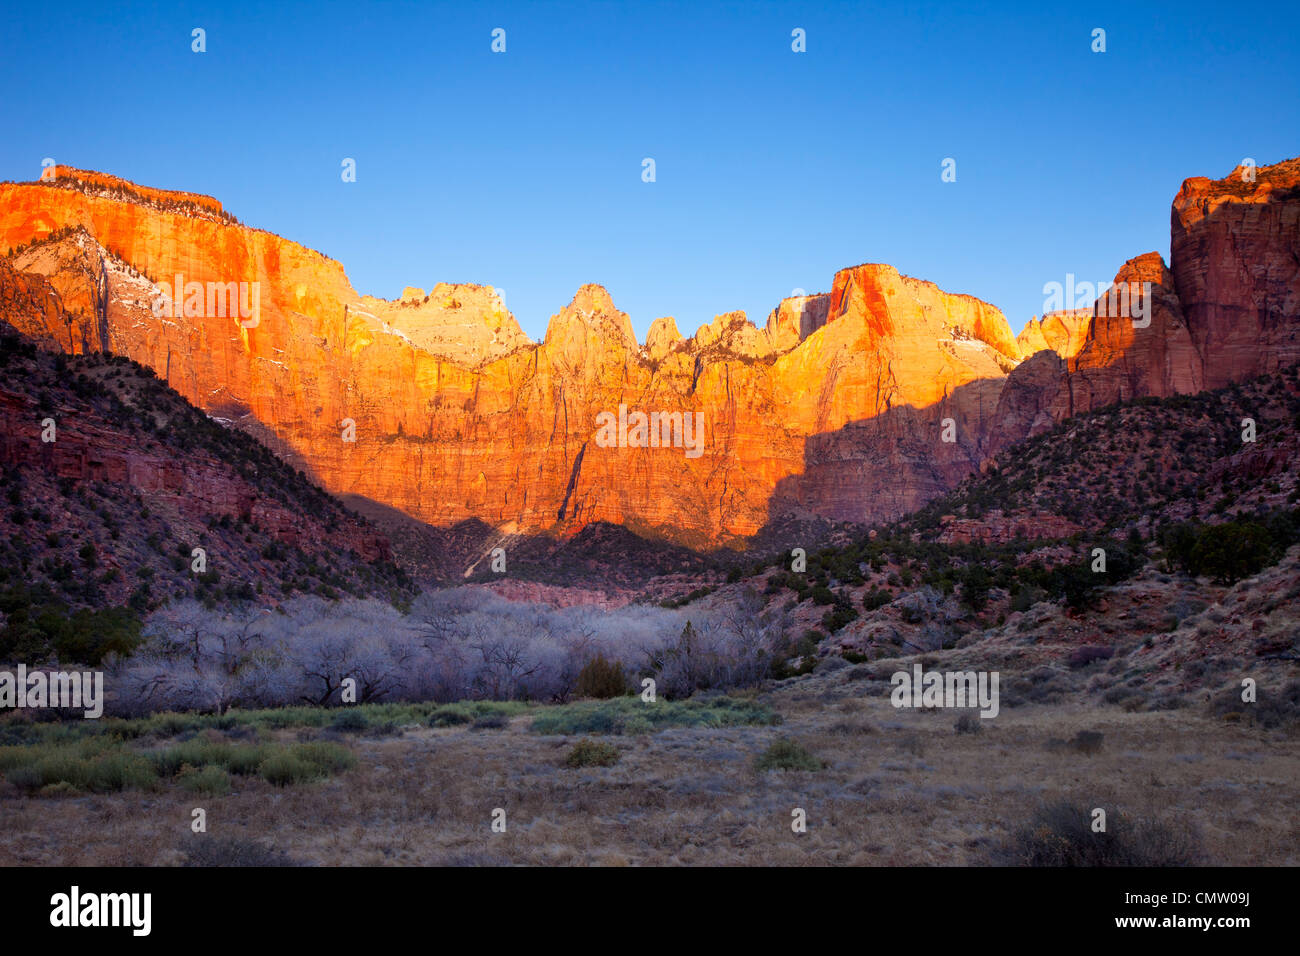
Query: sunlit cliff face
{"type": "Point", "coordinates": [856, 404]}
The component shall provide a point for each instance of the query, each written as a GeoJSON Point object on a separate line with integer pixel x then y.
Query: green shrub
{"type": "Point", "coordinates": [449, 717]}
{"type": "Point", "coordinates": [328, 758]}
{"type": "Point", "coordinates": [1229, 551]}
{"type": "Point", "coordinates": [208, 781]}
{"type": "Point", "coordinates": [786, 754]}
{"type": "Point", "coordinates": [592, 753]}
{"type": "Point", "coordinates": [631, 715]}
{"type": "Point", "coordinates": [94, 766]}
{"type": "Point", "coordinates": [876, 598]}
{"type": "Point", "coordinates": [283, 769]}
{"type": "Point", "coordinates": [349, 721]}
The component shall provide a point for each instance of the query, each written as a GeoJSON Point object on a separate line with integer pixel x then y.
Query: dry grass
{"type": "Point", "coordinates": [897, 787]}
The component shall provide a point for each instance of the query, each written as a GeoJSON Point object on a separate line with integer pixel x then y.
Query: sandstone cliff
{"type": "Point", "coordinates": [457, 415]}
{"type": "Point", "coordinates": [1228, 310]}
{"type": "Point", "coordinates": [836, 408]}
{"type": "Point", "coordinates": [1235, 259]}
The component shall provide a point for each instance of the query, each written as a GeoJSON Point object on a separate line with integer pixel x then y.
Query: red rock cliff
{"type": "Point", "coordinates": [835, 408]}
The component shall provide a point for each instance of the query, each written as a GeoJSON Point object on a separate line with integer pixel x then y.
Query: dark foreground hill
{"type": "Point", "coordinates": [119, 495]}
{"type": "Point", "coordinates": [1156, 542]}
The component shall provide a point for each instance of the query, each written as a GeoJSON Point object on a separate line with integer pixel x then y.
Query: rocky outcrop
{"type": "Point", "coordinates": [466, 323]}
{"type": "Point", "coordinates": [663, 338]}
{"type": "Point", "coordinates": [1235, 259]}
{"type": "Point", "coordinates": [1062, 332]}
{"type": "Point", "coordinates": [100, 447]}
{"type": "Point", "coordinates": [795, 319]}
{"type": "Point", "coordinates": [1227, 310]}
{"type": "Point", "coordinates": [999, 528]}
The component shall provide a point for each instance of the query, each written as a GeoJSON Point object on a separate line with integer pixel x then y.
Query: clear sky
{"type": "Point", "coordinates": [523, 170]}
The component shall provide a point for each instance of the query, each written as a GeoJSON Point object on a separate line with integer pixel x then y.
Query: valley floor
{"type": "Point", "coordinates": [897, 787]}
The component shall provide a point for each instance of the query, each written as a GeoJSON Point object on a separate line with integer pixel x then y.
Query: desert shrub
{"type": "Point", "coordinates": [37, 627]}
{"type": "Point", "coordinates": [967, 724]}
{"type": "Point", "coordinates": [601, 678]}
{"type": "Point", "coordinates": [786, 754]}
{"type": "Point", "coordinates": [449, 717]}
{"type": "Point", "coordinates": [1026, 597]}
{"type": "Point", "coordinates": [875, 598]}
{"type": "Point", "coordinates": [243, 759]}
{"type": "Point", "coordinates": [835, 619]}
{"type": "Point", "coordinates": [96, 766]}
{"type": "Point", "coordinates": [1087, 742]}
{"type": "Point", "coordinates": [232, 851]}
{"type": "Point", "coordinates": [283, 769]}
{"type": "Point", "coordinates": [1271, 708]}
{"type": "Point", "coordinates": [631, 715]}
{"type": "Point", "coordinates": [975, 583]}
{"type": "Point", "coordinates": [592, 753]}
{"type": "Point", "coordinates": [328, 758]}
{"type": "Point", "coordinates": [1060, 834]}
{"type": "Point", "coordinates": [303, 763]}
{"type": "Point", "coordinates": [208, 781]}
{"type": "Point", "coordinates": [349, 721]}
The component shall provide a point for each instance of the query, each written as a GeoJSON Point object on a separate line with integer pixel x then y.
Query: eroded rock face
{"type": "Point", "coordinates": [1137, 344]}
{"type": "Point", "coordinates": [1235, 258]}
{"type": "Point", "coordinates": [459, 321]}
{"type": "Point", "coordinates": [1227, 310]}
{"type": "Point", "coordinates": [858, 404]}
{"type": "Point", "coordinates": [1062, 332]}
{"type": "Point", "coordinates": [999, 528]}
{"type": "Point", "coordinates": [795, 319]}
{"type": "Point", "coordinates": [92, 445]}
{"type": "Point", "coordinates": [457, 415]}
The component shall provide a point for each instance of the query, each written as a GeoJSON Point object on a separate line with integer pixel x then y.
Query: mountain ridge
{"type": "Point", "coordinates": [837, 407]}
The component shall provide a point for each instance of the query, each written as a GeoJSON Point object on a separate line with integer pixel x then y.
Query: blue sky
{"type": "Point", "coordinates": [774, 169]}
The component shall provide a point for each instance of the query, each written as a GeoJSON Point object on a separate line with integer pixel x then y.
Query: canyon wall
{"type": "Point", "coordinates": [836, 408]}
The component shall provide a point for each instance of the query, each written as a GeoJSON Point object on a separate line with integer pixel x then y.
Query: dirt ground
{"type": "Point", "coordinates": [898, 787]}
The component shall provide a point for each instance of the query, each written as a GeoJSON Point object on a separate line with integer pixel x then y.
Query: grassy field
{"type": "Point", "coordinates": [607, 783]}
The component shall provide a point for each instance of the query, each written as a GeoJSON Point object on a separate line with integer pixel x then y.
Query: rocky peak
{"type": "Point", "coordinates": [464, 322]}
{"type": "Point", "coordinates": [591, 313]}
{"type": "Point", "coordinates": [733, 332]}
{"type": "Point", "coordinates": [796, 318]}
{"type": "Point", "coordinates": [840, 420]}
{"type": "Point", "coordinates": [1062, 332]}
{"type": "Point", "coordinates": [891, 304]}
{"type": "Point", "coordinates": [662, 338]}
